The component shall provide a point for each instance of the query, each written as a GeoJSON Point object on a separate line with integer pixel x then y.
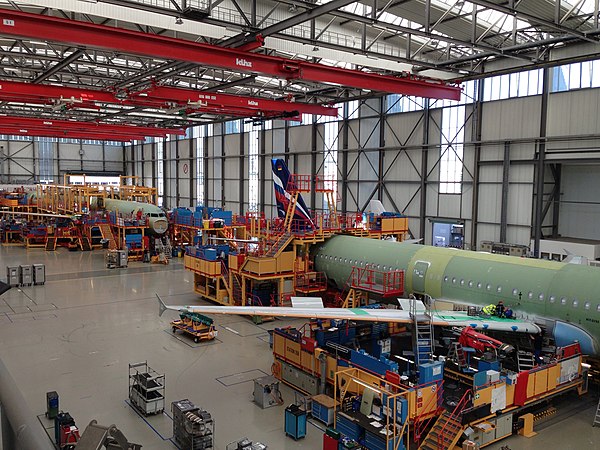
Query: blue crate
{"type": "Point", "coordinates": [210, 254]}
{"type": "Point", "coordinates": [431, 371]}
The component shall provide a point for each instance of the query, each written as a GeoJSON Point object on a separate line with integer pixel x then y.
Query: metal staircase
{"type": "Point", "coordinates": [422, 335]}
{"type": "Point", "coordinates": [86, 245]}
{"type": "Point", "coordinates": [163, 250]}
{"type": "Point", "coordinates": [448, 428]}
{"type": "Point", "coordinates": [280, 244]}
{"type": "Point", "coordinates": [107, 234]}
{"type": "Point", "coordinates": [50, 243]}
{"type": "Point", "coordinates": [236, 289]}
{"type": "Point", "coordinates": [525, 360]}
{"type": "Point", "coordinates": [444, 434]}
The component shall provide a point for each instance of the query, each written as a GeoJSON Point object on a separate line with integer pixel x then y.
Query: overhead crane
{"type": "Point", "coordinates": [35, 26]}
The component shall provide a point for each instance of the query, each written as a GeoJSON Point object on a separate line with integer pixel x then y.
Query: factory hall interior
{"type": "Point", "coordinates": [299, 224]}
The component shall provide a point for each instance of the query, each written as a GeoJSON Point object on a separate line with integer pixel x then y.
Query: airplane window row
{"type": "Point", "coordinates": [563, 300]}
{"type": "Point", "coordinates": [356, 262]}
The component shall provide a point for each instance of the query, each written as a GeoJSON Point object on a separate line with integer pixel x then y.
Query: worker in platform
{"type": "Point", "coordinates": [500, 309]}
{"type": "Point", "coordinates": [489, 310]}
{"type": "Point", "coordinates": [508, 313]}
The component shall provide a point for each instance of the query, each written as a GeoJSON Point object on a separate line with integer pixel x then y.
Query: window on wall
{"type": "Point", "coordinates": [253, 136]}
{"type": "Point", "coordinates": [330, 142]}
{"type": "Point", "coordinates": [160, 176]}
{"type": "Point", "coordinates": [396, 103]}
{"type": "Point", "coordinates": [353, 109]}
{"type": "Point", "coordinates": [199, 134]}
{"type": "Point", "coordinates": [46, 159]}
{"type": "Point", "coordinates": [452, 139]}
{"type": "Point", "coordinates": [513, 85]}
{"type": "Point", "coordinates": [576, 76]}
{"type": "Point", "coordinates": [231, 127]}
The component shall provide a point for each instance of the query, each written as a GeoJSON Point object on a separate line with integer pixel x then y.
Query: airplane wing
{"type": "Point", "coordinates": [442, 318]}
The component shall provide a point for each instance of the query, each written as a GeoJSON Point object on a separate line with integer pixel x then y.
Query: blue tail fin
{"type": "Point", "coordinates": [281, 178]}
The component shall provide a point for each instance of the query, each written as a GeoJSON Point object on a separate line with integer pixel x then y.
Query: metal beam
{"type": "Point", "coordinates": [19, 24]}
{"type": "Point", "coordinates": [533, 19]}
{"type": "Point", "coordinates": [161, 97]}
{"type": "Point", "coordinates": [60, 65]}
{"type": "Point", "coordinates": [229, 84]}
{"type": "Point", "coordinates": [50, 132]}
{"type": "Point", "coordinates": [283, 25]}
{"type": "Point", "coordinates": [67, 125]}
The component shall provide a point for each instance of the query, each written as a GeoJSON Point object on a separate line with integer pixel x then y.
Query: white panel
{"type": "Point", "coordinates": [521, 173]}
{"type": "Point", "coordinates": [579, 211]}
{"type": "Point", "coordinates": [518, 235]}
{"type": "Point", "coordinates": [487, 232]}
{"type": "Point", "coordinates": [404, 129]}
{"type": "Point", "coordinates": [491, 152]}
{"type": "Point", "coordinates": [513, 118]}
{"type": "Point", "coordinates": [299, 138]}
{"type": "Point", "coordinates": [574, 112]}
{"type": "Point", "coordinates": [449, 205]}
{"type": "Point", "coordinates": [520, 201]}
{"type": "Point", "coordinates": [490, 173]}
{"type": "Point", "coordinates": [490, 200]}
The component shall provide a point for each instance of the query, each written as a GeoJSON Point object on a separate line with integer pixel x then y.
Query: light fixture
{"type": "Point", "coordinates": [292, 8]}
{"type": "Point", "coordinates": [460, 3]}
{"type": "Point", "coordinates": [369, 386]}
{"type": "Point", "coordinates": [179, 20]}
{"type": "Point", "coordinates": [315, 49]}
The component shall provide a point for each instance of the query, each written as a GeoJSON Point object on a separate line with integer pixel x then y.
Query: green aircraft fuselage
{"type": "Point", "coordinates": [565, 297]}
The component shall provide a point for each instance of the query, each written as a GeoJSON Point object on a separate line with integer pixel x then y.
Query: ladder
{"type": "Point", "coordinates": [422, 333]}
{"type": "Point", "coordinates": [457, 354]}
{"type": "Point", "coordinates": [236, 289]}
{"type": "Point", "coordinates": [162, 250]}
{"type": "Point", "coordinates": [291, 211]}
{"type": "Point", "coordinates": [525, 360]}
{"type": "Point", "coordinates": [108, 235]}
{"type": "Point", "coordinates": [597, 416]}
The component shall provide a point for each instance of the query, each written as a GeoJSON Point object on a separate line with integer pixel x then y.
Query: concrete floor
{"type": "Point", "coordinates": [78, 332]}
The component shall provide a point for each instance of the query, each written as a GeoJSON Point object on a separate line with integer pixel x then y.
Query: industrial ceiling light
{"type": "Point", "coordinates": [315, 49]}
{"type": "Point", "coordinates": [292, 8]}
{"type": "Point", "coordinates": [179, 21]}
{"type": "Point", "coordinates": [460, 3]}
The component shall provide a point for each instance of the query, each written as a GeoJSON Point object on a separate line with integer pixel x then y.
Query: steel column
{"type": "Point", "coordinates": [424, 171]}
{"type": "Point", "coordinates": [505, 187]}
{"type": "Point", "coordinates": [540, 166]}
{"type": "Point", "coordinates": [477, 126]}
{"type": "Point", "coordinates": [557, 172]}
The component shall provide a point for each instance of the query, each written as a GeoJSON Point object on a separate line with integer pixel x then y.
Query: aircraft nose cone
{"type": "Point", "coordinates": [160, 226]}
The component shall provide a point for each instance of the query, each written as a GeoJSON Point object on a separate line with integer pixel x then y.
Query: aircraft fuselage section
{"type": "Point", "coordinates": [533, 288]}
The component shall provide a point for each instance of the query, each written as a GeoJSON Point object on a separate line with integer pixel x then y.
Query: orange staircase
{"type": "Point", "coordinates": [108, 235]}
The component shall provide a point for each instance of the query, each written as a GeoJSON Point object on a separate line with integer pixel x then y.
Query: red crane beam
{"type": "Point", "coordinates": [215, 99]}
{"type": "Point", "coordinates": [159, 97]}
{"type": "Point", "coordinates": [68, 134]}
{"type": "Point", "coordinates": [34, 26]}
{"type": "Point", "coordinates": [90, 127]}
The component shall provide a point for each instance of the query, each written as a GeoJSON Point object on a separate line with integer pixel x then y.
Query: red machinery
{"type": "Point", "coordinates": [482, 343]}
